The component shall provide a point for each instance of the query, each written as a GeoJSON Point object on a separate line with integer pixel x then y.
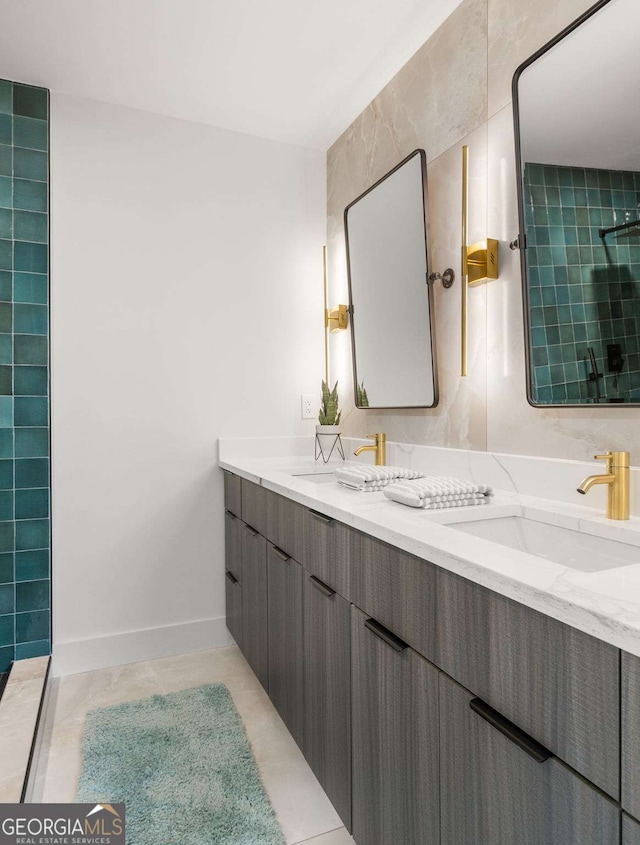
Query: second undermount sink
{"type": "Point", "coordinates": [577, 550]}
{"type": "Point", "coordinates": [316, 477]}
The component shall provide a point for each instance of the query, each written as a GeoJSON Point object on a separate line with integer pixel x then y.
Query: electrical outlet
{"type": "Point", "coordinates": [309, 405]}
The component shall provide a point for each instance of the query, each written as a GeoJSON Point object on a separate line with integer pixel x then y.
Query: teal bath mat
{"type": "Point", "coordinates": [182, 765]}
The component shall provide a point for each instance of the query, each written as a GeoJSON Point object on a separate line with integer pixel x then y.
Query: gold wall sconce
{"type": "Point", "coordinates": [479, 261]}
{"type": "Point", "coordinates": [335, 319]}
{"type": "Point", "coordinates": [482, 261]}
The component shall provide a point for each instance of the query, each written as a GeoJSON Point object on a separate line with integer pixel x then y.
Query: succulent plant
{"type": "Point", "coordinates": [329, 414]}
{"type": "Point", "coordinates": [361, 394]}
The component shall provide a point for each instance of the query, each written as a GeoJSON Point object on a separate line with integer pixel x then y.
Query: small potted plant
{"type": "Point", "coordinates": [328, 428]}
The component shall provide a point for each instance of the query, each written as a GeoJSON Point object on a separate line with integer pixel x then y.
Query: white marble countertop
{"type": "Point", "coordinates": [605, 604]}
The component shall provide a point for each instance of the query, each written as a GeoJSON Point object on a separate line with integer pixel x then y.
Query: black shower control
{"type": "Point", "coordinates": [615, 361]}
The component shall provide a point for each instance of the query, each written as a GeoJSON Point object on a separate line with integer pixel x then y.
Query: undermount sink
{"type": "Point", "coordinates": [316, 477]}
{"type": "Point", "coordinates": [584, 552]}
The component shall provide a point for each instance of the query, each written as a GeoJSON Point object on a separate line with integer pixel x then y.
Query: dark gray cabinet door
{"type": "Point", "coordinates": [396, 796]}
{"type": "Point", "coordinates": [631, 734]}
{"type": "Point", "coordinates": [397, 589]}
{"type": "Point", "coordinates": [232, 493]}
{"type": "Point", "coordinates": [326, 552]}
{"type": "Point", "coordinates": [286, 653]}
{"type": "Point", "coordinates": [327, 746]}
{"type": "Point", "coordinates": [630, 830]}
{"type": "Point", "coordinates": [559, 685]}
{"type": "Point", "coordinates": [254, 603]}
{"type": "Point", "coordinates": [233, 596]}
{"type": "Point", "coordinates": [232, 544]}
{"type": "Point", "coordinates": [494, 793]}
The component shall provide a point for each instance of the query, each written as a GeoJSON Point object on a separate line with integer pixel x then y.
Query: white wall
{"type": "Point", "coordinates": [186, 303]}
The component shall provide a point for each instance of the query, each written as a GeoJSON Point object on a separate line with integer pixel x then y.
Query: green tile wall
{"type": "Point", "coordinates": [583, 291]}
{"type": "Point", "coordinates": [25, 530]}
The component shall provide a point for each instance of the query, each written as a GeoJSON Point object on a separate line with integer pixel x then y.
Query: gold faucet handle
{"type": "Point", "coordinates": [608, 458]}
{"type": "Point", "coordinates": [373, 437]}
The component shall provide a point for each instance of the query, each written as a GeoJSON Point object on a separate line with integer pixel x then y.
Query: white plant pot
{"type": "Point", "coordinates": [327, 436]}
{"type": "Point", "coordinates": [328, 429]}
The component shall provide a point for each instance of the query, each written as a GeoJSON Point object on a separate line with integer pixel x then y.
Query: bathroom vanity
{"type": "Point", "coordinates": [431, 708]}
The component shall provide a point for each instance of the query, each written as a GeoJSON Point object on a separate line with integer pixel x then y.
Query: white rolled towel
{"type": "Point", "coordinates": [371, 478]}
{"type": "Point", "coordinates": [434, 492]}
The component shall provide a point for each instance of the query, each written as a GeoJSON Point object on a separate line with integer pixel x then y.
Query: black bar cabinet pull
{"type": "Point", "coordinates": [231, 577]}
{"type": "Point", "coordinates": [231, 515]}
{"type": "Point", "coordinates": [282, 555]}
{"type": "Point", "coordinates": [385, 635]}
{"type": "Point", "coordinates": [326, 519]}
{"type": "Point", "coordinates": [320, 585]}
{"type": "Point", "coordinates": [538, 752]}
{"type": "Point", "coordinates": [251, 531]}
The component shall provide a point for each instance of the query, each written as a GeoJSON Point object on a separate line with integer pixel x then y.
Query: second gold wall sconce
{"type": "Point", "coordinates": [479, 261]}
{"type": "Point", "coordinates": [334, 319]}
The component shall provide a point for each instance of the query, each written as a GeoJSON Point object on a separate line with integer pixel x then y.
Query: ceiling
{"type": "Point", "coordinates": [297, 71]}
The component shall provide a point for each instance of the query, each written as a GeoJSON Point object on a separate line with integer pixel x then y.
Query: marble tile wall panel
{"type": "Point", "coordinates": [460, 418]}
{"type": "Point", "coordinates": [448, 92]}
{"type": "Point", "coordinates": [436, 99]}
{"type": "Point", "coordinates": [436, 102]}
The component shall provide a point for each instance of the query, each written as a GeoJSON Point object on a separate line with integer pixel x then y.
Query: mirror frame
{"type": "Point", "coordinates": [428, 285]}
{"type": "Point", "coordinates": [521, 217]}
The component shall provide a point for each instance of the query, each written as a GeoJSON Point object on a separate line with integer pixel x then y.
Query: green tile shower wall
{"type": "Point", "coordinates": [25, 593]}
{"type": "Point", "coordinates": [583, 291]}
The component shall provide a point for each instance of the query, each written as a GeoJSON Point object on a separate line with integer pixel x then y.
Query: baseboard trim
{"type": "Point", "coordinates": [72, 657]}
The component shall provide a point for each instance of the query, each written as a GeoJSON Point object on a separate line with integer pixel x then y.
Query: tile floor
{"type": "Point", "coordinates": [303, 810]}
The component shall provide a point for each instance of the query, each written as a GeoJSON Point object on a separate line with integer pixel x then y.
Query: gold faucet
{"type": "Point", "coordinates": [617, 479]}
{"type": "Point", "coordinates": [380, 448]}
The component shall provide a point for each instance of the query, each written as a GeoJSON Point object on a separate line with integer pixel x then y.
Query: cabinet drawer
{"type": "Point", "coordinates": [557, 684]}
{"type": "Point", "coordinates": [326, 550]}
{"type": "Point", "coordinates": [232, 493]}
{"type": "Point", "coordinates": [493, 791]}
{"type": "Point", "coordinates": [285, 524]}
{"type": "Point", "coordinates": [631, 734]}
{"type": "Point", "coordinates": [630, 830]}
{"type": "Point", "coordinates": [254, 506]}
{"type": "Point", "coordinates": [232, 547]}
{"type": "Point", "coordinates": [395, 588]}
{"type": "Point", "coordinates": [277, 518]}
{"type": "Point", "coordinates": [233, 594]}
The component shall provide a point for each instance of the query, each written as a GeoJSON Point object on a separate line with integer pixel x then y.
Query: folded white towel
{"type": "Point", "coordinates": [438, 492]}
{"type": "Point", "coordinates": [372, 478]}
{"type": "Point", "coordinates": [460, 503]}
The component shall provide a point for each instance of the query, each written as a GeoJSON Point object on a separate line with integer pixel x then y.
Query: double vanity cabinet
{"type": "Point", "coordinates": [431, 709]}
